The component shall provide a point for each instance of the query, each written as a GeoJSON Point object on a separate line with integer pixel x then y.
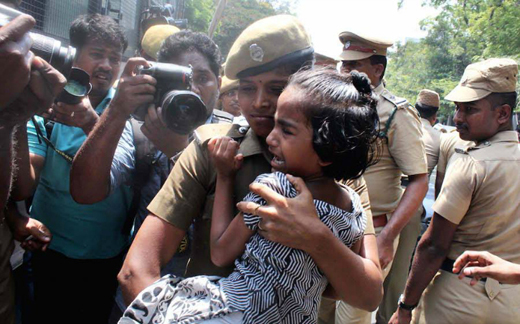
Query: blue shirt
{"type": "Point", "coordinates": [123, 166]}
{"type": "Point", "coordinates": [79, 231]}
{"type": "Point", "coordinates": [36, 144]}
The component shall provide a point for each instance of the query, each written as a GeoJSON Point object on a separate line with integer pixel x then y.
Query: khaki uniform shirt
{"type": "Point", "coordinates": [188, 194]}
{"type": "Point", "coordinates": [432, 141]}
{"type": "Point", "coordinates": [402, 153]}
{"type": "Point", "coordinates": [481, 195]}
{"type": "Point", "coordinates": [448, 143]}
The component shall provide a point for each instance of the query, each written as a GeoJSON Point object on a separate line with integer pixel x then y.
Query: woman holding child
{"type": "Point", "coordinates": [288, 248]}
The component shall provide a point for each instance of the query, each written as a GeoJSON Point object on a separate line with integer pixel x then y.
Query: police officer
{"type": "Point", "coordinates": [228, 100]}
{"type": "Point", "coordinates": [263, 57]}
{"type": "Point", "coordinates": [402, 152]}
{"type": "Point", "coordinates": [448, 143]}
{"type": "Point", "coordinates": [153, 38]}
{"type": "Point", "coordinates": [427, 105]}
{"type": "Point", "coordinates": [477, 208]}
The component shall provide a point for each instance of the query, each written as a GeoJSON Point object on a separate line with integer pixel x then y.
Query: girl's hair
{"type": "Point", "coordinates": [341, 109]}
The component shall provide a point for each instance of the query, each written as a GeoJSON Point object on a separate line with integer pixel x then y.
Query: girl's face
{"type": "Point", "coordinates": [291, 139]}
{"type": "Point", "coordinates": [258, 96]}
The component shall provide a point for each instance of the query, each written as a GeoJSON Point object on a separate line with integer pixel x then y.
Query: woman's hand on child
{"type": "Point", "coordinates": [288, 221]}
{"type": "Point", "coordinates": [223, 151]}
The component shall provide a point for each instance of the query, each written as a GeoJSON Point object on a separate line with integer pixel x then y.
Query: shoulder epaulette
{"type": "Point", "coordinates": [205, 132]}
{"type": "Point", "coordinates": [398, 102]}
{"type": "Point", "coordinates": [461, 150]}
{"type": "Point", "coordinates": [222, 116]}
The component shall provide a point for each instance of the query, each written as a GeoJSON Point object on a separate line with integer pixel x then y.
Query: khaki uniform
{"type": "Point", "coordinates": [432, 142]}
{"type": "Point", "coordinates": [480, 195]}
{"type": "Point", "coordinates": [188, 194]}
{"type": "Point", "coordinates": [402, 153]}
{"type": "Point", "coordinates": [448, 143]}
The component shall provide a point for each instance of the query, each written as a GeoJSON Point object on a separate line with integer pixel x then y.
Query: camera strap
{"type": "Point", "coordinates": [49, 143]}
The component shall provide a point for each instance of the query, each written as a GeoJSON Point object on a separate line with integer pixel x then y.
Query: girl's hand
{"type": "Point", "coordinates": [223, 151]}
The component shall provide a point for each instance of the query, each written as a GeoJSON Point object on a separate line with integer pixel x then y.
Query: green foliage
{"type": "Point", "coordinates": [237, 15]}
{"type": "Point", "coordinates": [199, 14]}
{"type": "Point", "coordinates": [465, 31]}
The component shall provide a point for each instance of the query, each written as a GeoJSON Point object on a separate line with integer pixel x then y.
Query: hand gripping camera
{"type": "Point", "coordinates": [60, 57]}
{"type": "Point", "coordinates": [182, 110]}
{"type": "Point", "coordinates": [49, 49]}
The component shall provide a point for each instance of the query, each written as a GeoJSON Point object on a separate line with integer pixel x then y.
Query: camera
{"type": "Point", "coordinates": [78, 86]}
{"type": "Point", "coordinates": [160, 15]}
{"type": "Point", "coordinates": [182, 110]}
{"type": "Point", "coordinates": [49, 49]}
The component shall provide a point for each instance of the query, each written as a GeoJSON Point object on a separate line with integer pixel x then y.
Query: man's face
{"type": "Point", "coordinates": [205, 83]}
{"type": "Point", "coordinates": [476, 120]}
{"type": "Point", "coordinates": [230, 103]}
{"type": "Point", "coordinates": [364, 66]}
{"type": "Point", "coordinates": [102, 62]}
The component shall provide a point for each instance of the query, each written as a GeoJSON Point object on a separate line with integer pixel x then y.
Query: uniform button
{"type": "Point", "coordinates": [486, 142]}
{"type": "Point", "coordinates": [242, 130]}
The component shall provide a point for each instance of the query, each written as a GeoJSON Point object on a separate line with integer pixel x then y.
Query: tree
{"type": "Point", "coordinates": [199, 13]}
{"type": "Point", "coordinates": [464, 32]}
{"type": "Point", "coordinates": [237, 15]}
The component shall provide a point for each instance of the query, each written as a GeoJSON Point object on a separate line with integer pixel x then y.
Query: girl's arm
{"type": "Point", "coordinates": [330, 292]}
{"type": "Point", "coordinates": [228, 235]}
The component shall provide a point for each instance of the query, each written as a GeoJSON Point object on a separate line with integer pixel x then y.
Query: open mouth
{"type": "Point", "coordinates": [102, 77]}
{"type": "Point", "coordinates": [277, 163]}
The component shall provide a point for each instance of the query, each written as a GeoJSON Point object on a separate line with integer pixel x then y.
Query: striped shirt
{"type": "Point", "coordinates": [273, 283]}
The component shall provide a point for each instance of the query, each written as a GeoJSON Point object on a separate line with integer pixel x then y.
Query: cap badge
{"type": "Point", "coordinates": [256, 53]}
{"type": "Point", "coordinates": [348, 46]}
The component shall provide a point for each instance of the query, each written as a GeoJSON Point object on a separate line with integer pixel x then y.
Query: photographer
{"type": "Point", "coordinates": [30, 89]}
{"type": "Point", "coordinates": [87, 240]}
{"type": "Point", "coordinates": [112, 150]}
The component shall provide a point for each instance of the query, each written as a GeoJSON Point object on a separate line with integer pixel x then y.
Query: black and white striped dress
{"type": "Point", "coordinates": [272, 283]}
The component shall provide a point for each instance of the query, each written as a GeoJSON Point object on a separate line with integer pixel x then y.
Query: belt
{"type": "Point", "coordinates": [379, 220]}
{"type": "Point", "coordinates": [447, 265]}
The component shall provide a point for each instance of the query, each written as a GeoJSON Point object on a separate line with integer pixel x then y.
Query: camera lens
{"type": "Point", "coordinates": [183, 111]}
{"type": "Point", "coordinates": [77, 87]}
{"type": "Point", "coordinates": [49, 49]}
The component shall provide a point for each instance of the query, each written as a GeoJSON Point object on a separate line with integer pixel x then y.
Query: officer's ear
{"type": "Point", "coordinates": [379, 69]}
{"type": "Point", "coordinates": [504, 114]}
{"type": "Point", "coordinates": [219, 80]}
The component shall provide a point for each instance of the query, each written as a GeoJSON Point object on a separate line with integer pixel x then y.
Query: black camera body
{"type": "Point", "coordinates": [181, 109]}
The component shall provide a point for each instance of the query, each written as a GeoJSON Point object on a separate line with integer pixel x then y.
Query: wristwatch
{"type": "Point", "coordinates": [404, 306]}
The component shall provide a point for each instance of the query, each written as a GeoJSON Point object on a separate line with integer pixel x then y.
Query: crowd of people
{"type": "Point", "coordinates": [298, 201]}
